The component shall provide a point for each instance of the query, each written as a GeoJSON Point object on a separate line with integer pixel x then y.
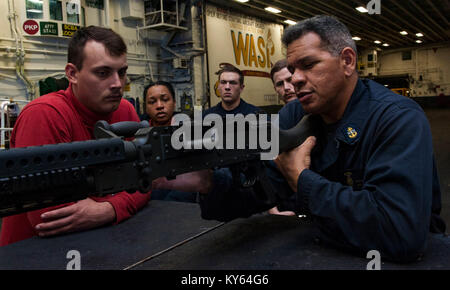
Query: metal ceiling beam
{"type": "Point", "coordinates": [282, 5]}
{"type": "Point", "coordinates": [242, 8]}
{"type": "Point", "coordinates": [427, 16]}
{"type": "Point", "coordinates": [350, 24]}
{"type": "Point", "coordinates": [297, 8]}
{"type": "Point", "coordinates": [307, 13]}
{"type": "Point", "coordinates": [357, 26]}
{"type": "Point", "coordinates": [303, 14]}
{"type": "Point", "coordinates": [384, 27]}
{"type": "Point", "coordinates": [417, 20]}
{"type": "Point", "coordinates": [400, 20]}
{"type": "Point", "coordinates": [376, 22]}
{"type": "Point", "coordinates": [438, 12]}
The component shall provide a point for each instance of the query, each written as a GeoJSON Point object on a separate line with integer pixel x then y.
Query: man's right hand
{"type": "Point", "coordinates": [197, 181]}
{"type": "Point", "coordinates": [293, 162]}
{"type": "Point", "coordinates": [275, 210]}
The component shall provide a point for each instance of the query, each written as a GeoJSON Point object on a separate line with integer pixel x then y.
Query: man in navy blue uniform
{"type": "Point", "coordinates": [231, 85]}
{"type": "Point", "coordinates": [368, 179]}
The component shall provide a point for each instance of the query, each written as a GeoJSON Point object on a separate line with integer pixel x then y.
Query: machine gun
{"type": "Point", "coordinates": [41, 176]}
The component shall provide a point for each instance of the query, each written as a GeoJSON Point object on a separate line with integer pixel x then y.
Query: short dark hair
{"type": "Point", "coordinates": [226, 67]}
{"type": "Point", "coordinates": [279, 65]}
{"type": "Point", "coordinates": [112, 41]}
{"type": "Point", "coordinates": [334, 35]}
{"type": "Point", "coordinates": [159, 83]}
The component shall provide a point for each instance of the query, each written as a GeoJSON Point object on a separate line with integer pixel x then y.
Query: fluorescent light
{"type": "Point", "coordinates": [273, 10]}
{"type": "Point", "coordinates": [356, 38]}
{"type": "Point", "coordinates": [34, 10]}
{"type": "Point", "coordinates": [290, 22]}
{"type": "Point", "coordinates": [403, 32]}
{"type": "Point", "coordinates": [419, 41]}
{"type": "Point", "coordinates": [362, 9]}
{"type": "Point", "coordinates": [385, 44]}
{"type": "Point", "coordinates": [377, 41]}
{"type": "Point", "coordinates": [242, 1]}
{"type": "Point", "coordinates": [419, 34]}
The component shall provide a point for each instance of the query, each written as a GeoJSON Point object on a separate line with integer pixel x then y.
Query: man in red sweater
{"type": "Point", "coordinates": [96, 70]}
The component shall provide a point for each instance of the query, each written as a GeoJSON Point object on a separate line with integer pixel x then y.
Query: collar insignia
{"type": "Point", "coordinates": [351, 133]}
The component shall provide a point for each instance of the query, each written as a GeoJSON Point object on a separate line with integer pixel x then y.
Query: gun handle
{"type": "Point", "coordinates": [295, 136]}
{"type": "Point", "coordinates": [123, 129]}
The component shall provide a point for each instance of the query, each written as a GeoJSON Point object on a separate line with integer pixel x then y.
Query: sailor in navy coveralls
{"type": "Point", "coordinates": [368, 179]}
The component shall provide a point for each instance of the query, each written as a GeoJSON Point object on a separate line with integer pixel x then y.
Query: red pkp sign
{"type": "Point", "coordinates": [30, 27]}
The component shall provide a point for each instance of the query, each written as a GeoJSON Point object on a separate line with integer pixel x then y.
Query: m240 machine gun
{"type": "Point", "coordinates": [41, 176]}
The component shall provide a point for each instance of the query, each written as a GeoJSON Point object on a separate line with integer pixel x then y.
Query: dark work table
{"type": "Point", "coordinates": [268, 242]}
{"type": "Point", "coordinates": [172, 236]}
{"type": "Point", "coordinates": [154, 229]}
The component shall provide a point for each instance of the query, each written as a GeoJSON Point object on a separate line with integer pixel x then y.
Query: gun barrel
{"type": "Point", "coordinates": [23, 161]}
{"type": "Point", "coordinates": [35, 176]}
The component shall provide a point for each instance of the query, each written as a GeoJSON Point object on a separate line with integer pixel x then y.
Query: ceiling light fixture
{"type": "Point", "coordinates": [403, 32]}
{"type": "Point", "coordinates": [273, 10]}
{"type": "Point", "coordinates": [362, 9]}
{"type": "Point", "coordinates": [419, 34]}
{"type": "Point", "coordinates": [34, 10]}
{"type": "Point", "coordinates": [377, 41]}
{"type": "Point", "coordinates": [356, 38]}
{"type": "Point", "coordinates": [385, 44]}
{"type": "Point", "coordinates": [290, 22]}
{"type": "Point", "coordinates": [242, 1]}
{"type": "Point", "coordinates": [419, 41]}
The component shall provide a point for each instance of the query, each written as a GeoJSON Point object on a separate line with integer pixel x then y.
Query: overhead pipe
{"type": "Point", "coordinates": [7, 76]}
{"type": "Point", "coordinates": [145, 59]}
{"type": "Point", "coordinates": [14, 101]}
{"type": "Point", "coordinates": [57, 46]}
{"type": "Point", "coordinates": [4, 112]}
{"type": "Point", "coordinates": [8, 48]}
{"type": "Point", "coordinates": [2, 124]}
{"type": "Point", "coordinates": [32, 68]}
{"type": "Point", "coordinates": [20, 53]}
{"type": "Point", "coordinates": [205, 46]}
{"type": "Point", "coordinates": [107, 13]}
{"type": "Point", "coordinates": [36, 42]}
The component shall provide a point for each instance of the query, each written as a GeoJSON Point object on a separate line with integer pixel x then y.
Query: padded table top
{"type": "Point", "coordinates": [171, 235]}
{"type": "Point", "coordinates": [268, 242]}
{"type": "Point", "coordinates": [157, 227]}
